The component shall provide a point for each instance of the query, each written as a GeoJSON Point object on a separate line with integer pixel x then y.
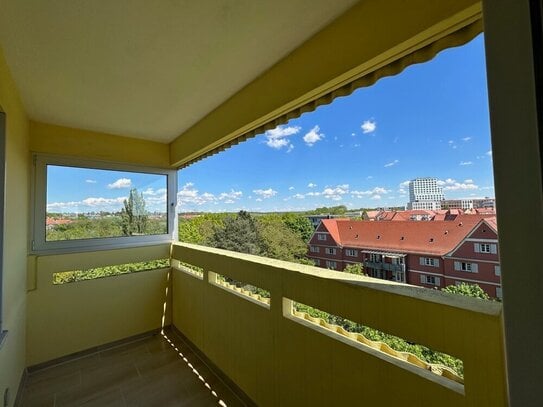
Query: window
{"type": "Point", "coordinates": [351, 252]}
{"type": "Point", "coordinates": [314, 249]}
{"type": "Point", "coordinates": [485, 248]}
{"type": "Point", "coordinates": [330, 250]}
{"type": "Point", "coordinates": [468, 267]}
{"type": "Point", "coordinates": [375, 258]}
{"type": "Point", "coordinates": [84, 204]}
{"type": "Point", "coordinates": [317, 262]}
{"type": "Point", "coordinates": [499, 292]}
{"type": "Point", "coordinates": [497, 270]}
{"type": "Point", "coordinates": [321, 236]}
{"type": "Point", "coordinates": [331, 264]}
{"type": "Point", "coordinates": [433, 280]}
{"type": "Point", "coordinates": [428, 261]}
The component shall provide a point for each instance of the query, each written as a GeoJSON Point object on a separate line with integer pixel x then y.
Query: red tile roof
{"type": "Point", "coordinates": [436, 237]}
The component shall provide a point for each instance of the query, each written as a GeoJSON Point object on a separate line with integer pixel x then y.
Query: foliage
{"type": "Point", "coordinates": [299, 224]}
{"type": "Point", "coordinates": [469, 290]}
{"type": "Point", "coordinates": [134, 216]}
{"type": "Point", "coordinates": [200, 228]}
{"type": "Point", "coordinates": [278, 241]}
{"type": "Point", "coordinates": [108, 271]}
{"type": "Point", "coordinates": [394, 342]}
{"type": "Point", "coordinates": [239, 233]}
{"type": "Point", "coordinates": [355, 268]}
{"type": "Point", "coordinates": [333, 210]}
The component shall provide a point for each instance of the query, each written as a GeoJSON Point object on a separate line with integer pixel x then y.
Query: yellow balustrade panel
{"type": "Point", "coordinates": [278, 358]}
{"type": "Point", "coordinates": [64, 319]}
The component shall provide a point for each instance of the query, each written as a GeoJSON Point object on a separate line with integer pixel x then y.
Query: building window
{"type": "Point", "coordinates": [375, 258]}
{"type": "Point", "coordinates": [428, 261]}
{"type": "Point", "coordinates": [497, 270]}
{"type": "Point", "coordinates": [351, 252]}
{"type": "Point", "coordinates": [317, 262]}
{"type": "Point", "coordinates": [432, 280]}
{"type": "Point", "coordinates": [314, 249]}
{"type": "Point", "coordinates": [485, 248]}
{"type": "Point", "coordinates": [467, 267]}
{"type": "Point", "coordinates": [330, 250]}
{"type": "Point", "coordinates": [81, 204]}
{"type": "Point", "coordinates": [499, 292]}
{"type": "Point", "coordinates": [331, 264]}
{"type": "Point", "coordinates": [321, 236]}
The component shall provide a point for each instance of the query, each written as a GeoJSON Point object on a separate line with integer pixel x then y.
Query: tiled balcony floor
{"type": "Point", "coordinates": [146, 372]}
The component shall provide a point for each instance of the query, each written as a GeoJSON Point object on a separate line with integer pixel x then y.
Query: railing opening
{"type": "Point", "coordinates": [365, 338]}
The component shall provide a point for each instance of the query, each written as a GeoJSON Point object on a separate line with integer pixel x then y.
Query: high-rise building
{"type": "Point", "coordinates": [425, 193]}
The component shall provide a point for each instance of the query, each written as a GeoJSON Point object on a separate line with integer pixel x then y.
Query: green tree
{"type": "Point", "coordinates": [134, 216]}
{"type": "Point", "coordinates": [238, 233]}
{"type": "Point", "coordinates": [298, 224]}
{"type": "Point", "coordinates": [278, 241]}
{"type": "Point", "coordinates": [199, 229]}
{"type": "Point", "coordinates": [355, 268]}
{"type": "Point", "coordinates": [469, 290]}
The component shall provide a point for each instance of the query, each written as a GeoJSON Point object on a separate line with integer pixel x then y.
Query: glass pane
{"type": "Point", "coordinates": [85, 203]}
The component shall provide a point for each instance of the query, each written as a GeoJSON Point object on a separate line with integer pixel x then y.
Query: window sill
{"type": "Point", "coordinates": [3, 336]}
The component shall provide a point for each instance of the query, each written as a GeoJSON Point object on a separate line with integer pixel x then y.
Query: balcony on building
{"type": "Point", "coordinates": [89, 82]}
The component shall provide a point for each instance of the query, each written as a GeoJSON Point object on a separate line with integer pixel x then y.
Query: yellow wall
{"type": "Point", "coordinates": [12, 354]}
{"type": "Point", "coordinates": [370, 34]}
{"type": "Point", "coordinates": [278, 361]}
{"type": "Point", "coordinates": [51, 139]}
{"type": "Point", "coordinates": [67, 318]}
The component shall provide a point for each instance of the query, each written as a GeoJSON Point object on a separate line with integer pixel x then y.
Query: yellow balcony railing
{"type": "Point", "coordinates": [281, 356]}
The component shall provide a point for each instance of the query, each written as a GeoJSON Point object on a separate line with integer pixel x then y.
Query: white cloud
{"type": "Point", "coordinates": [371, 193]}
{"type": "Point", "coordinates": [466, 162]}
{"type": "Point", "coordinates": [291, 188]}
{"type": "Point", "coordinates": [229, 201]}
{"type": "Point", "coordinates": [353, 134]}
{"type": "Point", "coordinates": [258, 199]}
{"type": "Point", "coordinates": [232, 195]}
{"type": "Point", "coordinates": [265, 193]}
{"type": "Point", "coordinates": [299, 196]}
{"type": "Point", "coordinates": [90, 204]}
{"type": "Point", "coordinates": [489, 153]}
{"type": "Point", "coordinates": [313, 136]}
{"type": "Point", "coordinates": [311, 185]}
{"type": "Point", "coordinates": [335, 193]}
{"type": "Point", "coordinates": [90, 181]}
{"type": "Point", "coordinates": [369, 177]}
{"type": "Point", "coordinates": [466, 138]}
{"type": "Point", "coordinates": [392, 163]}
{"type": "Point", "coordinates": [278, 138]}
{"type": "Point", "coordinates": [452, 185]}
{"type": "Point", "coordinates": [313, 194]}
{"type": "Point", "coordinates": [369, 126]}
{"type": "Point", "coordinates": [121, 183]}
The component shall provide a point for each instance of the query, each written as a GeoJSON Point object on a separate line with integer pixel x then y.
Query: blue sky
{"type": "Point", "coordinates": [359, 151]}
{"type": "Point", "coordinates": [431, 120]}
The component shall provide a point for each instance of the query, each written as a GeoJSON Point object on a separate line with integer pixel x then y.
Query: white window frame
{"type": "Point", "coordinates": [330, 250]}
{"type": "Point", "coordinates": [321, 236]}
{"type": "Point", "coordinates": [351, 252]}
{"type": "Point", "coordinates": [331, 264]}
{"type": "Point", "coordinates": [314, 249]}
{"type": "Point", "coordinates": [485, 247]}
{"type": "Point", "coordinates": [497, 271]}
{"type": "Point", "coordinates": [466, 267]}
{"type": "Point", "coordinates": [38, 242]}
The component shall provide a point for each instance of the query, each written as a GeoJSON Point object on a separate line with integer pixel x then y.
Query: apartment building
{"type": "Point", "coordinates": [425, 193]}
{"type": "Point", "coordinates": [429, 254]}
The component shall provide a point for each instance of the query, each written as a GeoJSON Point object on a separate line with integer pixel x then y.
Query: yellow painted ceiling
{"type": "Point", "coordinates": [147, 68]}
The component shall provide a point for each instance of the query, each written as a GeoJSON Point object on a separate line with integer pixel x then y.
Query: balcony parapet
{"type": "Point", "coordinates": [279, 356]}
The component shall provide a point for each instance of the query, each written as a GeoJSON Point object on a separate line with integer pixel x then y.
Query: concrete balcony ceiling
{"type": "Point", "coordinates": [147, 69]}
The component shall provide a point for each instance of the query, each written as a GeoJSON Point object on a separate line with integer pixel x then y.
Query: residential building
{"type": "Point", "coordinates": [425, 193]}
{"type": "Point", "coordinates": [428, 254]}
{"type": "Point", "coordinates": [469, 203]}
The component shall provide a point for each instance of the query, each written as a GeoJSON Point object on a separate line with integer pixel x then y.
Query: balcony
{"type": "Point", "coordinates": [101, 92]}
{"type": "Point", "coordinates": [273, 354]}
